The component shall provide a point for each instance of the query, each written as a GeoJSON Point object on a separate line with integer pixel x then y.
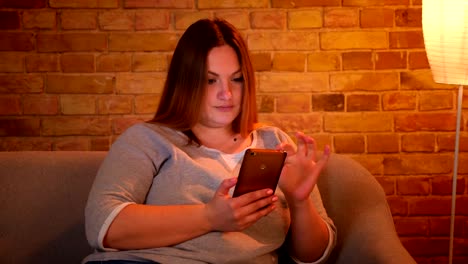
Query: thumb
{"type": "Point", "coordinates": [225, 185]}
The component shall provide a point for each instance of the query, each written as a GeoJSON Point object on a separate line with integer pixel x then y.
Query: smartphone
{"type": "Point", "coordinates": [260, 169]}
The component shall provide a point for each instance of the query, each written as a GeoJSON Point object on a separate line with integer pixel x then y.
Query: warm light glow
{"type": "Point", "coordinates": [445, 28]}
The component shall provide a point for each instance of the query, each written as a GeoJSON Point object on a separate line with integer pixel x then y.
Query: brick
{"type": "Point", "coordinates": [335, 40]}
{"type": "Point", "coordinates": [23, 4]}
{"type": "Point", "coordinates": [289, 62]}
{"type": "Point", "coordinates": [100, 144]}
{"type": "Point", "coordinates": [152, 19]}
{"type": "Point", "coordinates": [261, 61]}
{"type": "Point", "coordinates": [358, 122]}
{"type": "Point", "coordinates": [142, 41]}
{"type": "Point", "coordinates": [371, 81]}
{"type": "Point", "coordinates": [240, 19]}
{"type": "Point", "coordinates": [114, 62]}
{"type": "Point", "coordinates": [417, 164]}
{"type": "Point", "coordinates": [374, 2]}
{"type": "Point", "coordinates": [412, 226]}
{"type": "Point", "coordinates": [265, 103]}
{"type": "Point", "coordinates": [293, 41]}
{"type": "Point", "coordinates": [328, 102]}
{"type": "Point", "coordinates": [398, 205]}
{"type": "Point", "coordinates": [140, 83]}
{"type": "Point", "coordinates": [349, 144]}
{"type": "Point", "coordinates": [47, 42]}
{"type": "Point", "coordinates": [11, 62]}
{"type": "Point", "coordinates": [294, 122]}
{"type": "Point", "coordinates": [373, 163]}
{"type": "Point", "coordinates": [10, 105]}
{"type": "Point", "coordinates": [144, 62]}
{"type": "Point", "coordinates": [293, 103]}
{"type": "Point", "coordinates": [40, 105]}
{"type": "Point", "coordinates": [421, 80]}
{"type": "Point", "coordinates": [383, 143]}
{"type": "Point", "coordinates": [39, 19]}
{"type": "Point", "coordinates": [418, 142]}
{"type": "Point", "coordinates": [146, 104]}
{"type": "Point", "coordinates": [362, 102]}
{"type": "Point", "coordinates": [74, 143]}
{"type": "Point", "coordinates": [357, 60]}
{"type": "Point", "coordinates": [25, 144]}
{"type": "Point", "coordinates": [20, 127]}
{"type": "Point", "coordinates": [16, 41]}
{"type": "Point", "coordinates": [213, 4]}
{"type": "Point", "coordinates": [268, 20]}
{"type": "Point", "coordinates": [77, 126]}
{"type": "Point", "coordinates": [413, 186]}
{"type": "Point", "coordinates": [406, 40]}
{"type": "Point", "coordinates": [377, 18]}
{"type": "Point", "coordinates": [441, 227]}
{"type": "Point", "coordinates": [183, 19]}
{"type": "Point", "coordinates": [21, 83]}
{"type": "Point", "coordinates": [293, 82]}
{"type": "Point", "coordinates": [390, 60]}
{"type": "Point", "coordinates": [421, 246]}
{"type": "Point", "coordinates": [443, 185]}
{"type": "Point", "coordinates": [116, 20]}
{"type": "Point", "coordinates": [121, 124]}
{"type": "Point", "coordinates": [304, 3]}
{"type": "Point", "coordinates": [78, 104]}
{"type": "Point", "coordinates": [447, 142]}
{"type": "Point", "coordinates": [186, 4]}
{"type": "Point", "coordinates": [341, 18]}
{"type": "Point", "coordinates": [83, 19]}
{"type": "Point", "coordinates": [388, 184]}
{"type": "Point", "coordinates": [9, 20]}
{"type": "Point", "coordinates": [323, 61]}
{"type": "Point", "coordinates": [42, 63]}
{"type": "Point", "coordinates": [409, 17]}
{"type": "Point", "coordinates": [304, 19]}
{"type": "Point", "coordinates": [430, 101]}
{"type": "Point", "coordinates": [77, 63]}
{"type": "Point", "coordinates": [115, 104]}
{"type": "Point", "coordinates": [418, 60]}
{"type": "Point", "coordinates": [430, 206]}
{"type": "Point", "coordinates": [76, 84]}
{"type": "Point", "coordinates": [84, 3]}
{"type": "Point", "coordinates": [425, 122]}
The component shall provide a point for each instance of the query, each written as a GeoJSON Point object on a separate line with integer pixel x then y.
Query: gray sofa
{"type": "Point", "coordinates": [43, 194]}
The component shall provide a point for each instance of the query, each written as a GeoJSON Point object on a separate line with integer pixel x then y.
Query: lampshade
{"type": "Point", "coordinates": [445, 29]}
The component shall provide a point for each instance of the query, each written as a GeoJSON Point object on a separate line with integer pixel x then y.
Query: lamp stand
{"type": "Point", "coordinates": [455, 171]}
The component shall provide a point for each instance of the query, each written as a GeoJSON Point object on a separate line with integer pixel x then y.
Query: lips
{"type": "Point", "coordinates": [224, 108]}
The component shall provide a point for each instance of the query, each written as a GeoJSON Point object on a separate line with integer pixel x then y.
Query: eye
{"type": "Point", "coordinates": [211, 81]}
{"type": "Point", "coordinates": [239, 79]}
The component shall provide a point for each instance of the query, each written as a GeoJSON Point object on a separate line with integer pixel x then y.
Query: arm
{"type": "Point", "coordinates": [308, 236]}
{"type": "Point", "coordinates": [140, 226]}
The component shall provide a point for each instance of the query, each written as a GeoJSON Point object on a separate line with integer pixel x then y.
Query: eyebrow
{"type": "Point", "coordinates": [215, 74]}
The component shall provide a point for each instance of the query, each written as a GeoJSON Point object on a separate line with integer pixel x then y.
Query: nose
{"type": "Point", "coordinates": [225, 90]}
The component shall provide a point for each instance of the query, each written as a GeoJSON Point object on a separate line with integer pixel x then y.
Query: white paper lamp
{"type": "Point", "coordinates": [445, 30]}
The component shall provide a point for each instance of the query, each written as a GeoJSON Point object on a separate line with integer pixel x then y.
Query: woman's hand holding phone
{"type": "Point", "coordinates": [301, 170]}
{"type": "Point", "coordinates": [225, 213]}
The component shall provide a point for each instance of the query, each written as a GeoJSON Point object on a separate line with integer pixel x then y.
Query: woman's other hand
{"type": "Point", "coordinates": [236, 214]}
{"type": "Point", "coordinates": [301, 169]}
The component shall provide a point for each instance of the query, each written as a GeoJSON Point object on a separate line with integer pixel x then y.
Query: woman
{"type": "Point", "coordinates": [163, 193]}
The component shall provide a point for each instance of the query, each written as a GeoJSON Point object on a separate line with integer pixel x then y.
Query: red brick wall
{"type": "Point", "coordinates": [75, 73]}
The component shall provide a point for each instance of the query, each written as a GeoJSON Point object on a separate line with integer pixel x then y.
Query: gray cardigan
{"type": "Point", "coordinates": [152, 164]}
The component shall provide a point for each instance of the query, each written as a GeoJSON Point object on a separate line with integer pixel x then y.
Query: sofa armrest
{"type": "Point", "coordinates": [357, 204]}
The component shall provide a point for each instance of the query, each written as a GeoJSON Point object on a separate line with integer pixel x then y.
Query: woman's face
{"type": "Point", "coordinates": [223, 91]}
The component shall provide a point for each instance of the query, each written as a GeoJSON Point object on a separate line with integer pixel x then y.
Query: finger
{"type": "Point", "coordinates": [301, 143]}
{"type": "Point", "coordinates": [319, 165]}
{"type": "Point", "coordinates": [225, 185]}
{"type": "Point", "coordinates": [288, 148]}
{"type": "Point", "coordinates": [311, 148]}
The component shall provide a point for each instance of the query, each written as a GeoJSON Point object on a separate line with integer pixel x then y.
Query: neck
{"type": "Point", "coordinates": [222, 139]}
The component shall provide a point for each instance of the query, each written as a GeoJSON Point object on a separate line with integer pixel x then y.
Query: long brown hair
{"type": "Point", "coordinates": [186, 80]}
